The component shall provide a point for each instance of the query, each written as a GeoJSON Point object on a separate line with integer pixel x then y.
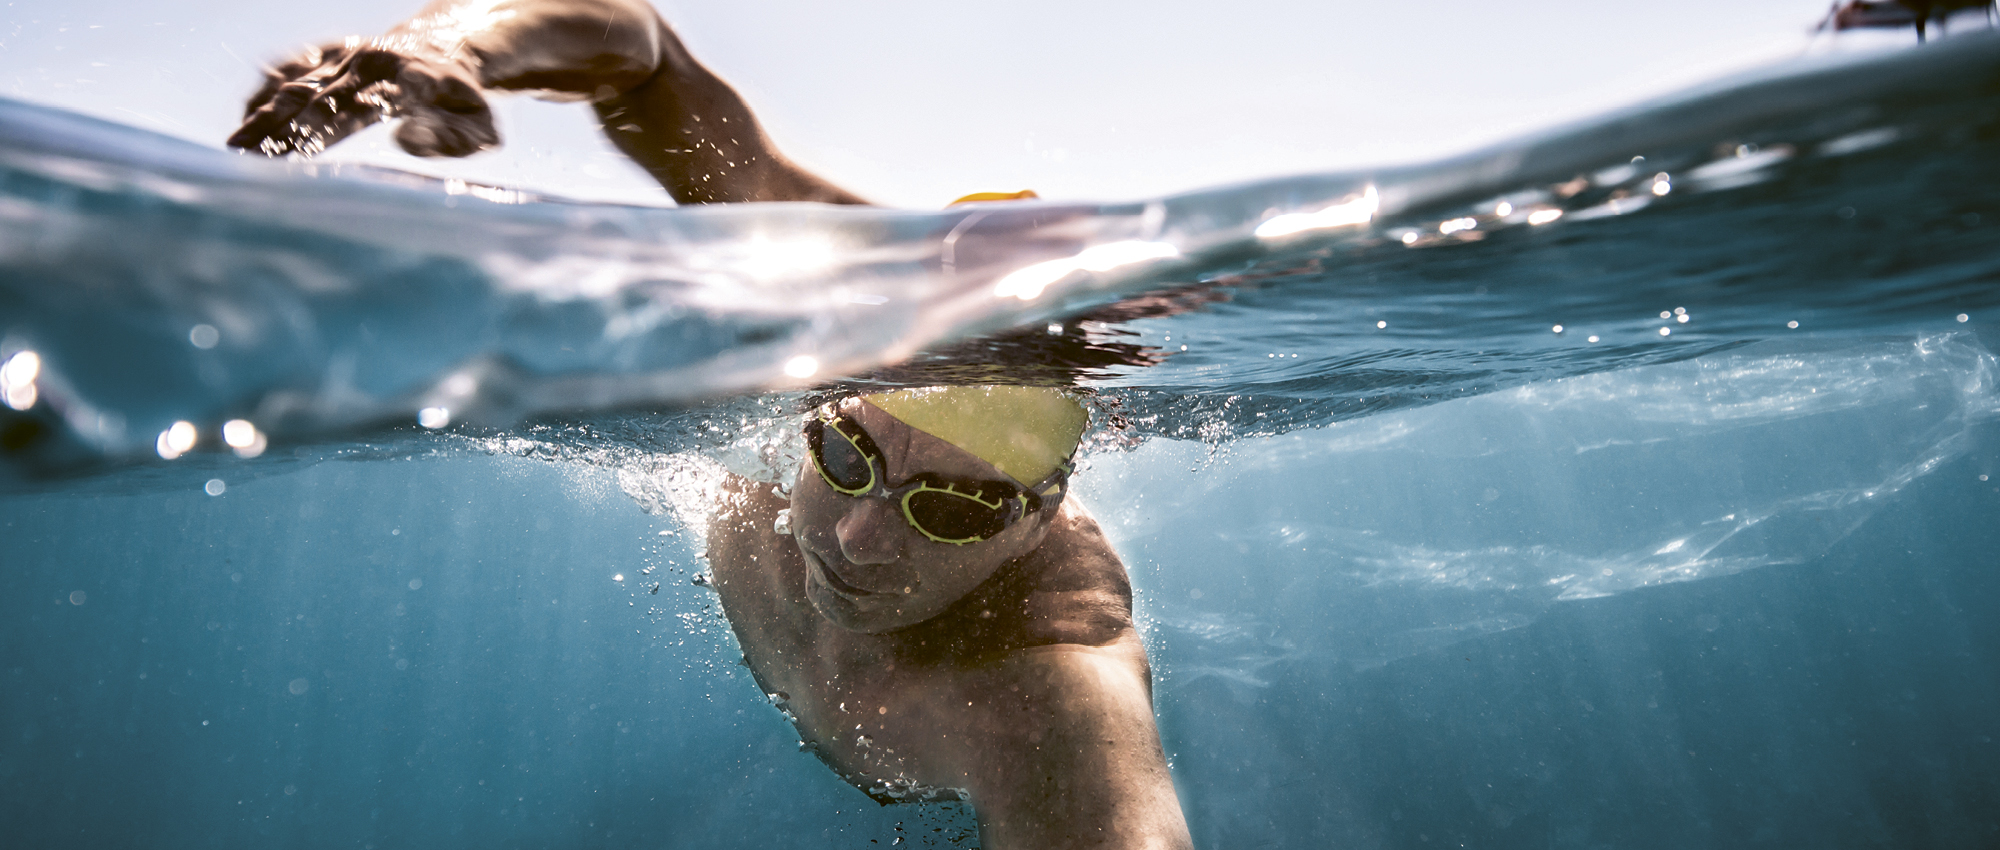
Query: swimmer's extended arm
{"type": "Point", "coordinates": [680, 122]}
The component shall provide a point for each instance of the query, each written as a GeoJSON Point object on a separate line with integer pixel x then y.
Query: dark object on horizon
{"type": "Point", "coordinates": [1856, 14]}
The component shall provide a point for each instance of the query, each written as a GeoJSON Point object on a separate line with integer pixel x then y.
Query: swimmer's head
{"type": "Point", "coordinates": [872, 564]}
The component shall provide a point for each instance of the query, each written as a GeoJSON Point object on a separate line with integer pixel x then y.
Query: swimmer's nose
{"type": "Point", "coordinates": [870, 531]}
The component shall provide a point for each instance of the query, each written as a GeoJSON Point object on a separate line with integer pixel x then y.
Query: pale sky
{"type": "Point", "coordinates": [915, 103]}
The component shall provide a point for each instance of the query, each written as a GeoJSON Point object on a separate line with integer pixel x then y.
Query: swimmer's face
{"type": "Point", "coordinates": [867, 570]}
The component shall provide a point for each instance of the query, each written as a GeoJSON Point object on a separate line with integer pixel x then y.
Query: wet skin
{"type": "Point", "coordinates": [1009, 668]}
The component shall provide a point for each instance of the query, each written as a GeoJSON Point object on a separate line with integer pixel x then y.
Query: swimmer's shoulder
{"type": "Point", "coordinates": [1080, 592]}
{"type": "Point", "coordinates": [1072, 591]}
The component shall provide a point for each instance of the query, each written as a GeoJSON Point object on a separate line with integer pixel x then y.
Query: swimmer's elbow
{"type": "Point", "coordinates": [593, 49]}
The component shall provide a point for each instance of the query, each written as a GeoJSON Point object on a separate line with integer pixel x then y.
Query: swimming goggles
{"type": "Point", "coordinates": [948, 510]}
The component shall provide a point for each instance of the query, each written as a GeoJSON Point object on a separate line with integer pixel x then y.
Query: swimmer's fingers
{"type": "Point", "coordinates": [274, 127]}
{"type": "Point", "coordinates": [295, 68]}
{"type": "Point", "coordinates": [270, 116]}
{"type": "Point", "coordinates": [312, 110]}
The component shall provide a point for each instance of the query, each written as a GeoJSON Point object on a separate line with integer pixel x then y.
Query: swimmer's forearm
{"type": "Point", "coordinates": [1076, 761]}
{"type": "Point", "coordinates": [695, 135]}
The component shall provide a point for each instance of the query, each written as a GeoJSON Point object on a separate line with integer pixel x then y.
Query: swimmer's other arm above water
{"type": "Point", "coordinates": [658, 105]}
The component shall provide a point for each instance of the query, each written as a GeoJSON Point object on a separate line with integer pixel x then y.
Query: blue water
{"type": "Point", "coordinates": [1415, 568]}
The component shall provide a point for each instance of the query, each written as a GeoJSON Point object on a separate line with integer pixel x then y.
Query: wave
{"type": "Point", "coordinates": [164, 285]}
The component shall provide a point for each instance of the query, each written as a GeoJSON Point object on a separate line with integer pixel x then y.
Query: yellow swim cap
{"type": "Point", "coordinates": [1025, 432]}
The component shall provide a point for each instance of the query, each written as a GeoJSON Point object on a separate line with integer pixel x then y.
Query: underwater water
{"type": "Point", "coordinates": [1629, 485]}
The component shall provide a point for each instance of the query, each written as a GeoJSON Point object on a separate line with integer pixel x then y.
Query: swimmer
{"type": "Point", "coordinates": [936, 616]}
{"type": "Point", "coordinates": [934, 613]}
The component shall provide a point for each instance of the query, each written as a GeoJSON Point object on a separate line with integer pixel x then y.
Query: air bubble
{"type": "Point", "coordinates": [204, 336]}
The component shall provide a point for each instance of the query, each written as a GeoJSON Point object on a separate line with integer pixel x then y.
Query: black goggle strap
{"type": "Point", "coordinates": [1051, 489]}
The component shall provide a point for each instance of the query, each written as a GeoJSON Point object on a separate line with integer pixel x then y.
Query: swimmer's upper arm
{"type": "Point", "coordinates": [730, 529]}
{"type": "Point", "coordinates": [747, 559]}
{"type": "Point", "coordinates": [739, 529]}
{"type": "Point", "coordinates": [737, 499]}
{"type": "Point", "coordinates": [1076, 760]}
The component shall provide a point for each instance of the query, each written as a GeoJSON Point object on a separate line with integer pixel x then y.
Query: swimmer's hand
{"type": "Point", "coordinates": [330, 93]}
{"type": "Point", "coordinates": [435, 70]}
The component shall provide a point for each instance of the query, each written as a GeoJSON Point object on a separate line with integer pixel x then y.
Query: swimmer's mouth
{"type": "Point", "coordinates": [833, 579]}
